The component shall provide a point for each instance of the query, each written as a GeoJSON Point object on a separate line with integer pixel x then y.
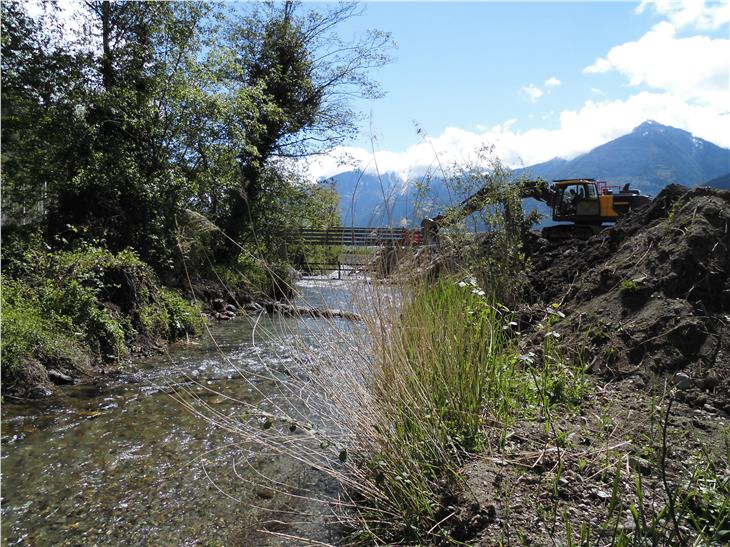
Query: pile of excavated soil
{"type": "Point", "coordinates": [646, 306]}
{"type": "Point", "coordinates": [651, 295]}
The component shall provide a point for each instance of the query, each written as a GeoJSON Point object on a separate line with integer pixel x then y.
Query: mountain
{"type": "Point", "coordinates": [722, 182]}
{"type": "Point", "coordinates": [388, 200]}
{"type": "Point", "coordinates": [650, 157]}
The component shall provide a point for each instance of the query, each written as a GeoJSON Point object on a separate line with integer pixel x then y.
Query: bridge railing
{"type": "Point", "coordinates": [359, 237]}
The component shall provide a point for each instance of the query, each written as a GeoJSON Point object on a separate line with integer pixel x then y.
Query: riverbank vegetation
{"type": "Point", "coordinates": [447, 417]}
{"type": "Point", "coordinates": [164, 140]}
{"type": "Point", "coordinates": [64, 310]}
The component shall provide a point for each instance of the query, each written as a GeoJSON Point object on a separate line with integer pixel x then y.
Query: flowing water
{"type": "Point", "coordinates": [122, 461]}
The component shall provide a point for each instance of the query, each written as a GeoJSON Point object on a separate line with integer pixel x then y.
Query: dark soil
{"type": "Point", "coordinates": [645, 306]}
{"type": "Point", "coordinates": [542, 492]}
{"type": "Point", "coordinates": [651, 295]}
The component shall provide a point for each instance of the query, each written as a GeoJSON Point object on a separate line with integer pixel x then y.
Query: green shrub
{"type": "Point", "coordinates": [248, 273]}
{"type": "Point", "coordinates": [153, 320]}
{"type": "Point", "coordinates": [29, 332]}
{"type": "Point", "coordinates": [251, 275]}
{"type": "Point", "coordinates": [630, 286]}
{"type": "Point", "coordinates": [182, 317]}
{"type": "Point", "coordinates": [63, 307]}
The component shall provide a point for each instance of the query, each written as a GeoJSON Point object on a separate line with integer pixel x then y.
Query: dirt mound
{"type": "Point", "coordinates": [650, 295]}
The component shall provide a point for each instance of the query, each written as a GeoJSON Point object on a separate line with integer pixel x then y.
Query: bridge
{"type": "Point", "coordinates": [359, 237]}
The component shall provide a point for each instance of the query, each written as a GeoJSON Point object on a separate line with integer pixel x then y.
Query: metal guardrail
{"type": "Point", "coordinates": [359, 237]}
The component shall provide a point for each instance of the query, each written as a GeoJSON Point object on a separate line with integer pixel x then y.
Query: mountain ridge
{"type": "Point", "coordinates": [651, 156]}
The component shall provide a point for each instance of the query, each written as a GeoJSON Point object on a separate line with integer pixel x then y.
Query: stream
{"type": "Point", "coordinates": [122, 461]}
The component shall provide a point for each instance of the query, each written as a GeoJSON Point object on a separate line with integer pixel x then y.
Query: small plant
{"type": "Point", "coordinates": [610, 354]}
{"type": "Point", "coordinates": [630, 286]}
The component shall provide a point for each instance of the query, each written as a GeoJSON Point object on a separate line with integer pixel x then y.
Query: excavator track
{"type": "Point", "coordinates": [560, 232]}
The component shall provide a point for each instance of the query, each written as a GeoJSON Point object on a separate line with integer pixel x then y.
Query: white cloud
{"type": "Point", "coordinates": [688, 77]}
{"type": "Point", "coordinates": [694, 68]}
{"type": "Point", "coordinates": [533, 92]}
{"type": "Point", "coordinates": [595, 123]}
{"type": "Point", "coordinates": [690, 13]}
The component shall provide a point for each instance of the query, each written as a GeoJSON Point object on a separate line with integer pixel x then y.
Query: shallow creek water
{"type": "Point", "coordinates": [122, 462]}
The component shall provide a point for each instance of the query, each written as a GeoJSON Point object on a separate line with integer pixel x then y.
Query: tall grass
{"type": "Point", "coordinates": [439, 368]}
{"type": "Point", "coordinates": [390, 407]}
{"type": "Point", "coordinates": [393, 406]}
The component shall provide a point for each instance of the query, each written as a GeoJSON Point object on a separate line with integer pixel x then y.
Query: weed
{"type": "Point", "coordinates": [630, 287]}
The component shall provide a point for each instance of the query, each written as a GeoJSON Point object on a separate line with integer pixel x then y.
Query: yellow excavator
{"type": "Point", "coordinates": [584, 205]}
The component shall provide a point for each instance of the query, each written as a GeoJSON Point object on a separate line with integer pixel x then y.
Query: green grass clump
{"type": "Point", "coordinates": [449, 382]}
{"type": "Point", "coordinates": [629, 287]}
{"type": "Point", "coordinates": [443, 368]}
{"type": "Point", "coordinates": [65, 308]}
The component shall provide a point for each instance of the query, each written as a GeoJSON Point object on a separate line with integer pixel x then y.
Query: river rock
{"type": "Point", "coordinates": [59, 377]}
{"type": "Point", "coordinates": [682, 380]}
{"type": "Point", "coordinates": [39, 392]}
{"type": "Point", "coordinates": [292, 310]}
{"type": "Point", "coordinates": [711, 381]}
{"type": "Point", "coordinates": [253, 307]}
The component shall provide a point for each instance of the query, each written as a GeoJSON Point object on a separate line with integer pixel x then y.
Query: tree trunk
{"type": "Point", "coordinates": [107, 65]}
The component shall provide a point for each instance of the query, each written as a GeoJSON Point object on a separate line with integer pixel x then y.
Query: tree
{"type": "Point", "coordinates": [139, 83]}
{"type": "Point", "coordinates": [41, 84]}
{"type": "Point", "coordinates": [288, 81]}
{"type": "Point", "coordinates": [153, 109]}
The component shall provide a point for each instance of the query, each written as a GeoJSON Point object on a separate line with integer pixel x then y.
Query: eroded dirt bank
{"type": "Point", "coordinates": [650, 297]}
{"type": "Point", "coordinates": [643, 309]}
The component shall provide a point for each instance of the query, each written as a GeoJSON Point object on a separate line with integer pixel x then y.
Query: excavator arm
{"type": "Point", "coordinates": [490, 193]}
{"type": "Point", "coordinates": [538, 189]}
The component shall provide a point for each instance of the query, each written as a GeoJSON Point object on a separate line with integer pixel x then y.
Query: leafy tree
{"type": "Point", "coordinates": [287, 80]}
{"type": "Point", "coordinates": [138, 88]}
{"type": "Point", "coordinates": [158, 107]}
{"type": "Point", "coordinates": [41, 135]}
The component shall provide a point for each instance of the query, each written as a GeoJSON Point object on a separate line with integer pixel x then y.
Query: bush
{"type": "Point", "coordinates": [630, 286]}
{"type": "Point", "coordinates": [182, 317]}
{"type": "Point", "coordinates": [63, 308]}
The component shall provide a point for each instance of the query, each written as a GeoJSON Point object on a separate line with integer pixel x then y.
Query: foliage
{"type": "Point", "coordinates": [28, 332]}
{"type": "Point", "coordinates": [630, 286]}
{"type": "Point", "coordinates": [493, 205]}
{"type": "Point", "coordinates": [142, 110]}
{"type": "Point", "coordinates": [62, 306]}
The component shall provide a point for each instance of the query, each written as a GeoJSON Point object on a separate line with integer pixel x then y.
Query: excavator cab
{"type": "Point", "coordinates": [577, 200]}
{"type": "Point", "coordinates": [587, 204]}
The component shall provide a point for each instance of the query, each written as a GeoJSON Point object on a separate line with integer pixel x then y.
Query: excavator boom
{"type": "Point", "coordinates": [586, 203]}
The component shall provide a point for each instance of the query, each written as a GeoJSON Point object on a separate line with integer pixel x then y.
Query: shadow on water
{"type": "Point", "coordinates": [122, 461]}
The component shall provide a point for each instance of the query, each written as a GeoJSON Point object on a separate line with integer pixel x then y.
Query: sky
{"type": "Point", "coordinates": [535, 80]}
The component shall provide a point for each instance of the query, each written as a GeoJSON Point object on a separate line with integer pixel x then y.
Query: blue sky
{"type": "Point", "coordinates": [532, 80]}
{"type": "Point", "coordinates": [539, 79]}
